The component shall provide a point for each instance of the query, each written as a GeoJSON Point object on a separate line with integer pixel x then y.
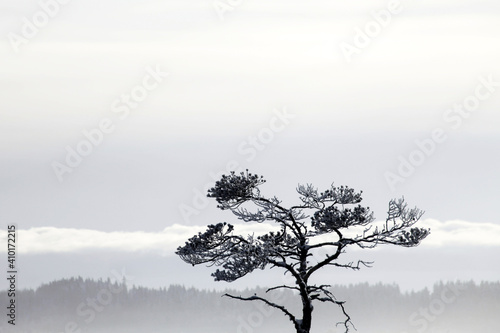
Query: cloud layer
{"type": "Point", "coordinates": [45, 240]}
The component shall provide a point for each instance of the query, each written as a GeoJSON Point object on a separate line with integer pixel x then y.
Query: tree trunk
{"type": "Point", "coordinates": [307, 307]}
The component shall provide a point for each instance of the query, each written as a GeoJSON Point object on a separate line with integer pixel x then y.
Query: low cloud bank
{"type": "Point", "coordinates": [62, 240]}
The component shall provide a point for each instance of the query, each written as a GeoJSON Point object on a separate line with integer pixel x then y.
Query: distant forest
{"type": "Point", "coordinates": [79, 305]}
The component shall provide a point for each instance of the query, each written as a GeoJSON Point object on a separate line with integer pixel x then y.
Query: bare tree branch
{"type": "Point", "coordinates": [258, 298]}
{"type": "Point", "coordinates": [282, 287]}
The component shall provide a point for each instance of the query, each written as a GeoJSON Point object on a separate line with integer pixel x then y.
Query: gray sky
{"type": "Point", "coordinates": [115, 117]}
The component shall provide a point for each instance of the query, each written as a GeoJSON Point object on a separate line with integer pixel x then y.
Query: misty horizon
{"type": "Point", "coordinates": [112, 305]}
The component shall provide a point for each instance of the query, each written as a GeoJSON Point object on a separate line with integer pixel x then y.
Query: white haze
{"type": "Point", "coordinates": [43, 240]}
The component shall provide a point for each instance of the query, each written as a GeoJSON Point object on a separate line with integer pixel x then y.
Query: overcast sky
{"type": "Point", "coordinates": [116, 116]}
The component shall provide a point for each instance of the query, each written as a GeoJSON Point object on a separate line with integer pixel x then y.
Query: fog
{"type": "Point", "coordinates": [84, 305]}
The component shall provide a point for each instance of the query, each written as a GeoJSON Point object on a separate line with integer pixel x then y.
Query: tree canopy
{"type": "Point", "coordinates": [292, 247]}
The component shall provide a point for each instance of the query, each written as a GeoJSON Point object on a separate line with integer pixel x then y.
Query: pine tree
{"type": "Point", "coordinates": [294, 248]}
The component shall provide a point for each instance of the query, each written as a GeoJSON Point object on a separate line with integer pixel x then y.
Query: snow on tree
{"type": "Point", "coordinates": [332, 213]}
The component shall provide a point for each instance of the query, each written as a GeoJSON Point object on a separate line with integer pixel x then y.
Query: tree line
{"type": "Point", "coordinates": [84, 305]}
